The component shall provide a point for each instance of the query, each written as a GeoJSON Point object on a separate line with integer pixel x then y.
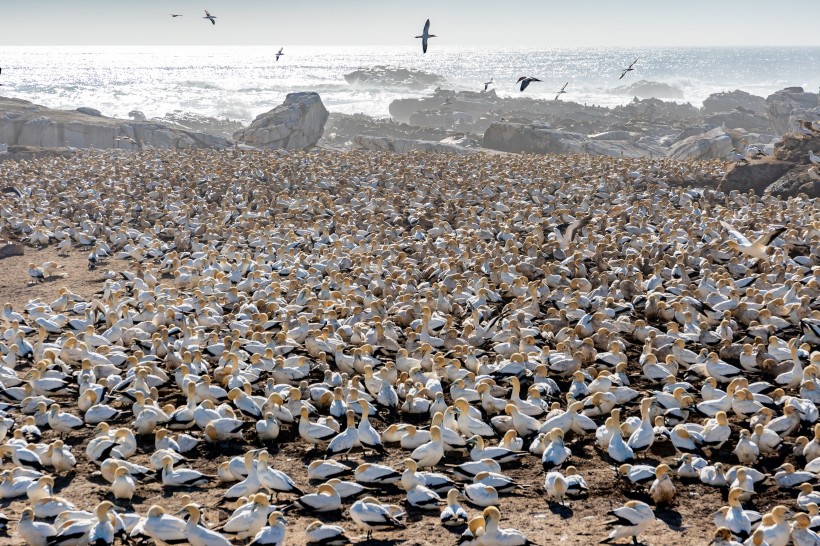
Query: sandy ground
{"type": "Point", "coordinates": [687, 522]}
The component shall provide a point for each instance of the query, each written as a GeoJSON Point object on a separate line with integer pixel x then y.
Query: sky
{"type": "Point", "coordinates": [524, 23]}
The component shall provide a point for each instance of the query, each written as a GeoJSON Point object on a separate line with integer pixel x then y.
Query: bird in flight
{"type": "Point", "coordinates": [525, 81]}
{"type": "Point", "coordinates": [562, 91]}
{"type": "Point", "coordinates": [209, 17]}
{"type": "Point", "coordinates": [488, 84]}
{"type": "Point", "coordinates": [179, 14]}
{"type": "Point", "coordinates": [279, 53]}
{"type": "Point", "coordinates": [628, 69]}
{"type": "Point", "coordinates": [425, 34]}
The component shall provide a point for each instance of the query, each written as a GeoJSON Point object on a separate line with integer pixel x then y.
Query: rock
{"type": "Point", "coordinates": [649, 90]}
{"type": "Point", "coordinates": [795, 182]}
{"type": "Point", "coordinates": [89, 111]}
{"type": "Point", "coordinates": [403, 145]}
{"type": "Point", "coordinates": [188, 121]}
{"type": "Point", "coordinates": [341, 129]}
{"type": "Point", "coordinates": [536, 138]}
{"type": "Point", "coordinates": [16, 153]}
{"type": "Point", "coordinates": [785, 106]}
{"type": "Point", "coordinates": [8, 250]}
{"type": "Point", "coordinates": [461, 140]}
{"type": "Point", "coordinates": [25, 124]}
{"type": "Point", "coordinates": [754, 175]}
{"type": "Point", "coordinates": [730, 100]}
{"type": "Point", "coordinates": [136, 115]}
{"type": "Point", "coordinates": [713, 144]}
{"type": "Point", "coordinates": [382, 76]}
{"type": "Point", "coordinates": [748, 121]}
{"type": "Point", "coordinates": [295, 124]}
{"type": "Point", "coordinates": [795, 148]}
{"type": "Point", "coordinates": [612, 135]}
{"type": "Point", "coordinates": [440, 119]}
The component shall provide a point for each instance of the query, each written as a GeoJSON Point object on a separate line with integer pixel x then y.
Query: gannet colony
{"type": "Point", "coordinates": [313, 347]}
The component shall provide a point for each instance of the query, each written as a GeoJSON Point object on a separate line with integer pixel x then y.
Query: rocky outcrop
{"type": "Point", "coordinates": [382, 76]}
{"type": "Point", "coordinates": [540, 139]}
{"type": "Point", "coordinates": [649, 90]}
{"type": "Point", "coordinates": [795, 182]}
{"type": "Point", "coordinates": [403, 145]}
{"type": "Point", "coordinates": [295, 124]}
{"type": "Point", "coordinates": [732, 100]}
{"type": "Point", "coordinates": [23, 123]}
{"type": "Point", "coordinates": [787, 105]}
{"type": "Point", "coordinates": [739, 119]}
{"type": "Point", "coordinates": [713, 144]}
{"type": "Point", "coordinates": [754, 175]}
{"type": "Point", "coordinates": [795, 148]}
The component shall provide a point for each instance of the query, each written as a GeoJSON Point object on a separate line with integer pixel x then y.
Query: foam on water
{"type": "Point", "coordinates": [242, 82]}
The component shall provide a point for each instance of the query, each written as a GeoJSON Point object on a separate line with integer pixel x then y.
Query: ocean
{"type": "Point", "coordinates": [239, 83]}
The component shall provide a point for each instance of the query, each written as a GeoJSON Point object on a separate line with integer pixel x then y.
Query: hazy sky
{"type": "Point", "coordinates": [535, 23]}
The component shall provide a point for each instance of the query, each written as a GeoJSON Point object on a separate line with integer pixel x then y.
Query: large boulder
{"type": "Point", "coordinates": [738, 119]}
{"type": "Point", "coordinates": [295, 124]}
{"type": "Point", "coordinates": [795, 182]}
{"type": "Point", "coordinates": [540, 139]}
{"type": "Point", "coordinates": [29, 125]}
{"type": "Point", "coordinates": [795, 147]}
{"type": "Point", "coordinates": [754, 175]}
{"type": "Point", "coordinates": [730, 100]}
{"type": "Point", "coordinates": [784, 107]}
{"type": "Point", "coordinates": [649, 90]}
{"type": "Point", "coordinates": [714, 144]}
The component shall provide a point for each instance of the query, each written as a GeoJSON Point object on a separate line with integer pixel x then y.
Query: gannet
{"type": "Point", "coordinates": [326, 499]}
{"type": "Point", "coordinates": [280, 53]}
{"type": "Point", "coordinates": [274, 533]}
{"type": "Point", "coordinates": [370, 515]}
{"type": "Point", "coordinates": [211, 18]}
{"type": "Point", "coordinates": [425, 34]}
{"type": "Point", "coordinates": [453, 513]}
{"type": "Point", "coordinates": [499, 536]}
{"type": "Point", "coordinates": [758, 249]}
{"type": "Point", "coordinates": [321, 534]}
{"type": "Point", "coordinates": [562, 91]}
{"type": "Point", "coordinates": [526, 80]}
{"type": "Point", "coordinates": [488, 84]}
{"type": "Point", "coordinates": [630, 68]}
{"type": "Point", "coordinates": [630, 520]}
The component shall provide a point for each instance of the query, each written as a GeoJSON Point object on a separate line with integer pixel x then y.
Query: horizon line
{"type": "Point", "coordinates": [440, 46]}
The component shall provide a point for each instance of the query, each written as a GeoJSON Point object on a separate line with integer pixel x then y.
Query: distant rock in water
{"type": "Point", "coordinates": [384, 76]}
{"type": "Point", "coordinates": [733, 100]}
{"type": "Point", "coordinates": [204, 124]}
{"type": "Point", "coordinates": [35, 127]}
{"type": "Point", "coordinates": [295, 124]}
{"type": "Point", "coordinates": [649, 90]}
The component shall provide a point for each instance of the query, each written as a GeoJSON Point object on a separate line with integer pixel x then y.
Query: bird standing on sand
{"type": "Point", "coordinates": [425, 34]}
{"type": "Point", "coordinates": [562, 91]}
{"type": "Point", "coordinates": [526, 80]}
{"type": "Point", "coordinates": [630, 68]}
{"type": "Point", "coordinates": [209, 17]}
{"type": "Point", "coordinates": [488, 84]}
{"type": "Point", "coordinates": [279, 53]}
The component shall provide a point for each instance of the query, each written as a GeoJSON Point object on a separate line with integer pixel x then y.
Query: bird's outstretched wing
{"type": "Point", "coordinates": [735, 233]}
{"type": "Point", "coordinates": [426, 26]}
{"type": "Point", "coordinates": [573, 227]}
{"type": "Point", "coordinates": [424, 45]}
{"type": "Point", "coordinates": [767, 238]}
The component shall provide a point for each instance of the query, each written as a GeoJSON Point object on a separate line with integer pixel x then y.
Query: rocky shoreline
{"type": "Point", "coordinates": [465, 122]}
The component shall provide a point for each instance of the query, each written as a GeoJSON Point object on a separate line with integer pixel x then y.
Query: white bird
{"type": "Point", "coordinates": [631, 519]}
{"type": "Point", "coordinates": [273, 534]}
{"type": "Point", "coordinates": [453, 513]}
{"type": "Point", "coordinates": [320, 534]}
{"type": "Point", "coordinates": [757, 249]}
{"type": "Point", "coordinates": [370, 515]}
{"type": "Point", "coordinates": [326, 499]}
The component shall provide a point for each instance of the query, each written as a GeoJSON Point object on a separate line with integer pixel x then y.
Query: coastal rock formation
{"type": "Point", "coordinates": [785, 106]}
{"type": "Point", "coordinates": [540, 139]}
{"type": "Point", "coordinates": [649, 90]}
{"type": "Point", "coordinates": [295, 124]}
{"type": "Point", "coordinates": [713, 144]}
{"type": "Point", "coordinates": [732, 100]}
{"type": "Point", "coordinates": [23, 123]}
{"type": "Point", "coordinates": [341, 129]}
{"type": "Point", "coordinates": [795, 182]}
{"type": "Point", "coordinates": [754, 175]}
{"type": "Point", "coordinates": [739, 119]}
{"type": "Point", "coordinates": [403, 145]}
{"type": "Point", "coordinates": [382, 76]}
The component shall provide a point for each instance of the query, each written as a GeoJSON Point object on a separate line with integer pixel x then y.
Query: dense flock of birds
{"type": "Point", "coordinates": [422, 326]}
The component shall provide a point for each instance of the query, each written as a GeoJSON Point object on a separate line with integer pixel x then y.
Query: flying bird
{"type": "Point", "coordinates": [179, 14]}
{"type": "Point", "coordinates": [562, 91]}
{"type": "Point", "coordinates": [209, 17]}
{"type": "Point", "coordinates": [425, 34]}
{"type": "Point", "coordinates": [488, 84]}
{"type": "Point", "coordinates": [279, 53]}
{"type": "Point", "coordinates": [525, 81]}
{"type": "Point", "coordinates": [628, 69]}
